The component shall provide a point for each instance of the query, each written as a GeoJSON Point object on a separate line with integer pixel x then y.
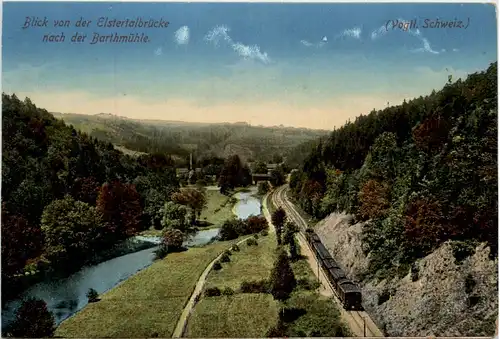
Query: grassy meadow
{"type": "Point", "coordinates": [147, 304]}
{"type": "Point", "coordinates": [241, 314]}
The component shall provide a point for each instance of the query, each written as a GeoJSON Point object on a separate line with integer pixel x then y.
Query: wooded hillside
{"type": "Point", "coordinates": [66, 195]}
{"type": "Point", "coordinates": [423, 172]}
{"type": "Point", "coordinates": [251, 143]}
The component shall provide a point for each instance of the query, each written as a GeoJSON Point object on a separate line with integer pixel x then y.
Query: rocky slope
{"type": "Point", "coordinates": [443, 298]}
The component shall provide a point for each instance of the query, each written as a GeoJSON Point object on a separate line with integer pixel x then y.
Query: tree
{"type": "Point", "coordinates": [263, 187]}
{"type": "Point", "coordinates": [374, 199]}
{"type": "Point", "coordinates": [120, 207]}
{"type": "Point", "coordinates": [282, 278]}
{"type": "Point", "coordinates": [259, 168]}
{"type": "Point", "coordinates": [175, 216]}
{"type": "Point", "coordinates": [157, 162]}
{"type": "Point", "coordinates": [277, 158]}
{"type": "Point", "coordinates": [20, 241]}
{"type": "Point", "coordinates": [172, 239]}
{"type": "Point", "coordinates": [255, 224]}
{"type": "Point", "coordinates": [195, 199]}
{"type": "Point", "coordinates": [70, 228]}
{"type": "Point", "coordinates": [278, 218]}
{"type": "Point", "coordinates": [153, 207]}
{"type": "Point", "coordinates": [86, 190]}
{"type": "Point", "coordinates": [289, 238]}
{"type": "Point", "coordinates": [92, 295]}
{"type": "Point", "coordinates": [424, 225]}
{"type": "Point", "coordinates": [277, 176]}
{"type": "Point", "coordinates": [234, 174]}
{"type": "Point", "coordinates": [232, 229]}
{"type": "Point", "coordinates": [33, 320]}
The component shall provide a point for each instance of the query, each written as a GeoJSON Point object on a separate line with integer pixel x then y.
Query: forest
{"type": "Point", "coordinates": [179, 139]}
{"type": "Point", "coordinates": [422, 173]}
{"type": "Point", "coordinates": [67, 195]}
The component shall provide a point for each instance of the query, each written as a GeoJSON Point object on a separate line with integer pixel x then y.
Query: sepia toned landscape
{"type": "Point", "coordinates": [236, 170]}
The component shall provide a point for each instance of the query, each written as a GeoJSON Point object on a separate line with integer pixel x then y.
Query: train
{"type": "Point", "coordinates": [348, 292]}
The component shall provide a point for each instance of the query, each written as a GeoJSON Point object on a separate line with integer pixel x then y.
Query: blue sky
{"type": "Point", "coordinates": [308, 65]}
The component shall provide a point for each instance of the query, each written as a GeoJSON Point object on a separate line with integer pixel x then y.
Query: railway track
{"type": "Point", "coordinates": [359, 322]}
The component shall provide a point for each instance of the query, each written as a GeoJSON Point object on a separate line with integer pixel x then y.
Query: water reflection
{"type": "Point", "coordinates": [247, 205]}
{"type": "Point", "coordinates": [66, 296]}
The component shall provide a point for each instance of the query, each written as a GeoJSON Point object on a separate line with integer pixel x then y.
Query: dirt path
{"type": "Point", "coordinates": [359, 322]}
{"type": "Point", "coordinates": [188, 309]}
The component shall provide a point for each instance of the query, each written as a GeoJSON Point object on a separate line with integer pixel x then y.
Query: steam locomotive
{"type": "Point", "coordinates": [348, 292]}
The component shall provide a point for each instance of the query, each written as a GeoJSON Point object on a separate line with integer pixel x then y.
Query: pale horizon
{"type": "Point", "coordinates": [299, 65]}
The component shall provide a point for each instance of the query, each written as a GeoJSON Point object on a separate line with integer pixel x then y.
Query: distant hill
{"type": "Point", "coordinates": [179, 138]}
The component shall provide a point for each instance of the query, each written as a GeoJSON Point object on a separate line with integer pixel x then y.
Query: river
{"type": "Point", "coordinates": [66, 296]}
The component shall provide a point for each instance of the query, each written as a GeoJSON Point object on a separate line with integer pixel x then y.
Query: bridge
{"type": "Point", "coordinates": [260, 177]}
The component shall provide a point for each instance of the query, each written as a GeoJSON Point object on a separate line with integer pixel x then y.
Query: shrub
{"type": "Point", "coordinates": [256, 236]}
{"type": "Point", "coordinates": [92, 295]}
{"type": "Point", "coordinates": [255, 224]}
{"type": "Point", "coordinates": [307, 284]}
{"type": "Point", "coordinates": [462, 250]}
{"type": "Point", "coordinates": [252, 242]}
{"type": "Point", "coordinates": [212, 292]}
{"type": "Point", "coordinates": [225, 258]}
{"type": "Point", "coordinates": [228, 291]}
{"type": "Point", "coordinates": [235, 248]}
{"type": "Point", "coordinates": [258, 286]}
{"type": "Point", "coordinates": [217, 266]}
{"type": "Point", "coordinates": [228, 252]}
{"type": "Point", "coordinates": [232, 229]}
{"type": "Point", "coordinates": [161, 252]}
{"type": "Point", "coordinates": [264, 233]}
{"type": "Point", "coordinates": [173, 239]}
{"type": "Point", "coordinates": [414, 272]}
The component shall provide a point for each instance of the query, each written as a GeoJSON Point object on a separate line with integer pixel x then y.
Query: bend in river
{"type": "Point", "coordinates": [65, 297]}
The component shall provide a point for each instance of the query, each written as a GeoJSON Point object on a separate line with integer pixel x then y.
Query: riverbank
{"type": "Point", "coordinates": [147, 304]}
{"type": "Point", "coordinates": [235, 315]}
{"type": "Point", "coordinates": [23, 284]}
{"type": "Point", "coordinates": [180, 269]}
{"type": "Point", "coordinates": [219, 208]}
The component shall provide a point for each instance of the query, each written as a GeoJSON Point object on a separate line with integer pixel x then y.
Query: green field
{"type": "Point", "coordinates": [242, 314]}
{"type": "Point", "coordinates": [218, 209]}
{"type": "Point", "coordinates": [238, 316]}
{"type": "Point", "coordinates": [250, 263]}
{"type": "Point", "coordinates": [147, 304]}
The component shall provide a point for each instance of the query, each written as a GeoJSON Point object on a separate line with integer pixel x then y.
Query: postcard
{"type": "Point", "coordinates": [249, 170]}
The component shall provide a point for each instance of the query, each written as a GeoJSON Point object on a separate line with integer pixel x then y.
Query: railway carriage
{"type": "Point", "coordinates": [350, 296]}
{"type": "Point", "coordinates": [348, 292]}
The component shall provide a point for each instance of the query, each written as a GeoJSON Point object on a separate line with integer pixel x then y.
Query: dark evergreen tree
{"type": "Point", "coordinates": [278, 218]}
{"type": "Point", "coordinates": [282, 278]}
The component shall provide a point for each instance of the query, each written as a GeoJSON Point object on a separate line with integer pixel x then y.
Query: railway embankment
{"type": "Point", "coordinates": [440, 296]}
